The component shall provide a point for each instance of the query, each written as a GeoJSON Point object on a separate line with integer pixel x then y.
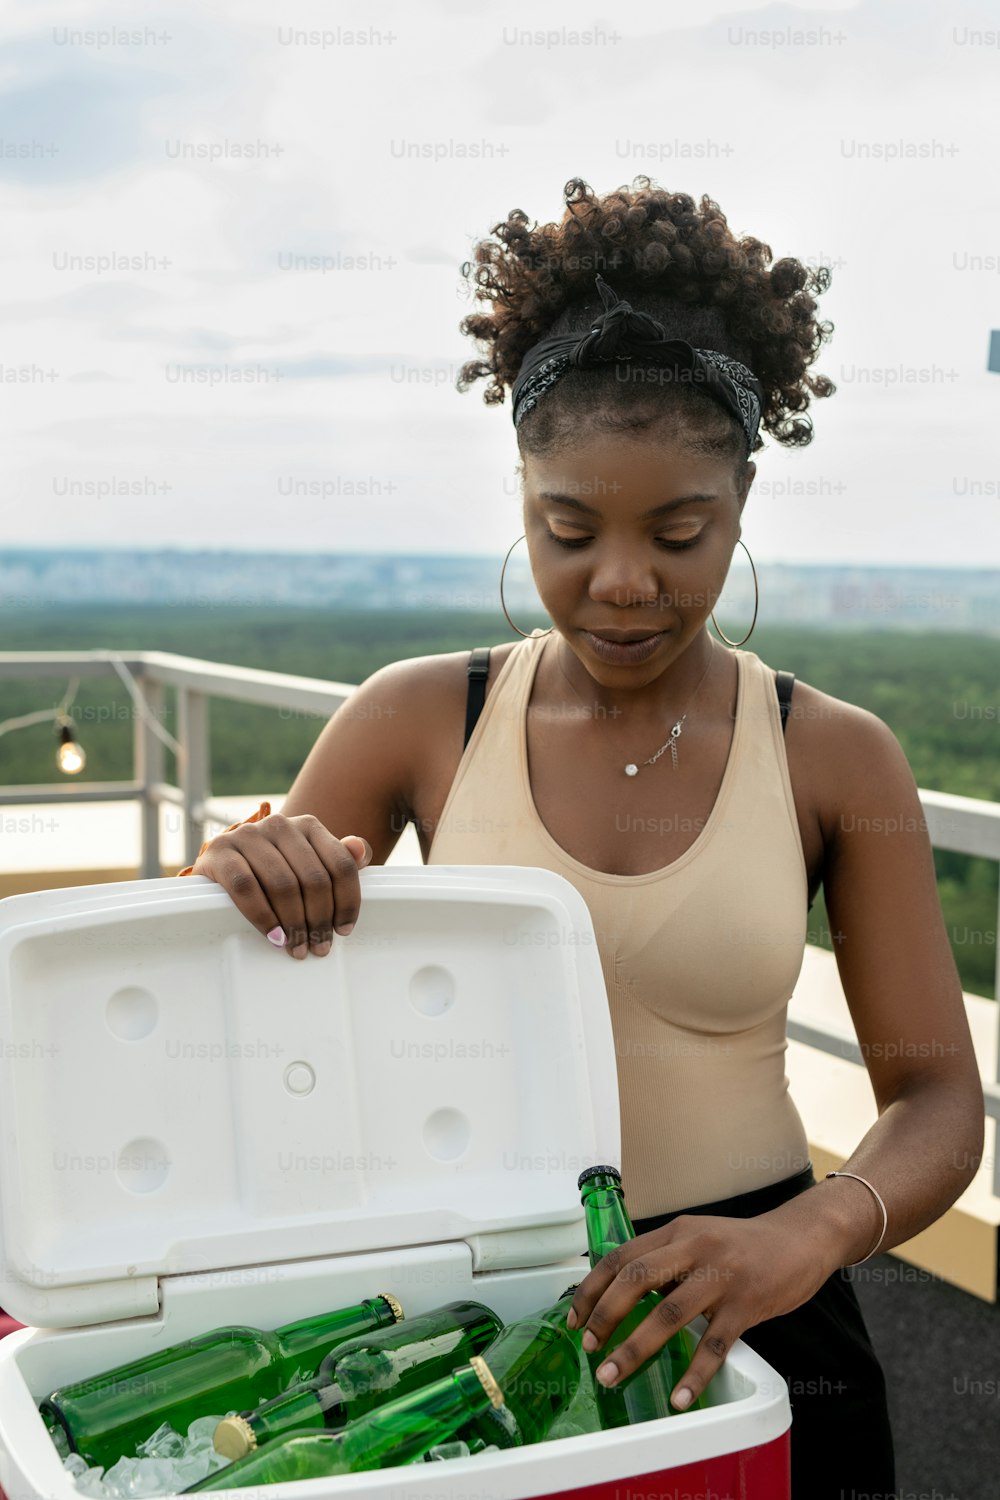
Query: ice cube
{"type": "Point", "coordinates": [61, 1441]}
{"type": "Point", "coordinates": [153, 1476]}
{"type": "Point", "coordinates": [118, 1478]}
{"type": "Point", "coordinates": [166, 1464]}
{"type": "Point", "coordinates": [197, 1466]}
{"type": "Point", "coordinates": [201, 1432]}
{"type": "Point", "coordinates": [164, 1443]}
{"type": "Point", "coordinates": [91, 1482]}
{"type": "Point", "coordinates": [457, 1449]}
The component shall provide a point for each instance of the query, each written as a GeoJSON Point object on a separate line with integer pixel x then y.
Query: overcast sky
{"type": "Point", "coordinates": [862, 135]}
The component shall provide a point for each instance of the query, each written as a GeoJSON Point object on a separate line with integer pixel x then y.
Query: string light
{"type": "Point", "coordinates": [70, 755]}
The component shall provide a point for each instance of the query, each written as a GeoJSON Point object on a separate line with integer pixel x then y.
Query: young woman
{"type": "Point", "coordinates": [658, 770]}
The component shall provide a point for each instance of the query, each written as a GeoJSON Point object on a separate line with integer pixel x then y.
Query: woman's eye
{"type": "Point", "coordinates": [564, 541]}
{"type": "Point", "coordinates": [679, 546]}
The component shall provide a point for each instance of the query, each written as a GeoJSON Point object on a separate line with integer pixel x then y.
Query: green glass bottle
{"type": "Point", "coordinates": [229, 1368]}
{"type": "Point", "coordinates": [645, 1395]}
{"type": "Point", "coordinates": [581, 1415]}
{"type": "Point", "coordinates": [536, 1362]}
{"type": "Point", "coordinates": [360, 1375]}
{"type": "Point", "coordinates": [393, 1433]}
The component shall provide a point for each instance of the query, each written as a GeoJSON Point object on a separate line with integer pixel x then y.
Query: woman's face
{"type": "Point", "coordinates": [601, 562]}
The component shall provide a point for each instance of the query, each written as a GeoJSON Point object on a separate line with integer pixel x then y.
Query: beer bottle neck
{"type": "Point", "coordinates": [309, 1340]}
{"type": "Point", "coordinates": [608, 1223]}
{"type": "Point", "coordinates": [318, 1408]}
{"type": "Point", "coordinates": [410, 1425]}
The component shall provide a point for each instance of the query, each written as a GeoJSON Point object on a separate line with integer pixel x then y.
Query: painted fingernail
{"type": "Point", "coordinates": [682, 1399]}
{"type": "Point", "coordinates": [277, 937]}
{"type": "Point", "coordinates": [571, 1319]}
{"type": "Point", "coordinates": [589, 1341]}
{"type": "Point", "coordinates": [608, 1373]}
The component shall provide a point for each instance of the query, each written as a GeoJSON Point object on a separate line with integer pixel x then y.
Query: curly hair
{"type": "Point", "coordinates": [679, 262]}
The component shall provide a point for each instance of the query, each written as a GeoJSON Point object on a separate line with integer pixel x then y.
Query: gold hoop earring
{"type": "Point", "coordinates": [503, 606]}
{"type": "Point", "coordinates": [756, 602]}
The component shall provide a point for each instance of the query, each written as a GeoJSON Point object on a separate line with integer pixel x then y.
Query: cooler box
{"type": "Point", "coordinates": [197, 1131]}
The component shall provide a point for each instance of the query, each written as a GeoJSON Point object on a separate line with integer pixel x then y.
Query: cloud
{"type": "Point", "coordinates": [75, 125]}
{"type": "Point", "coordinates": [330, 367]}
{"type": "Point", "coordinates": [93, 377]}
{"type": "Point", "coordinates": [664, 98]}
{"type": "Point", "coordinates": [431, 255]}
{"type": "Point", "coordinates": [96, 301]}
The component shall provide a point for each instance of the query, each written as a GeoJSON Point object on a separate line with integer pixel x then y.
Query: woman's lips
{"type": "Point", "coordinates": [623, 653]}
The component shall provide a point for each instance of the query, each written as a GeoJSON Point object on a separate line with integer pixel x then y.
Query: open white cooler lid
{"type": "Point", "coordinates": [178, 1096]}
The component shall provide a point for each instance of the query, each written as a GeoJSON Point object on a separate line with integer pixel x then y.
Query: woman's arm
{"type": "Point", "coordinates": [905, 999]}
{"type": "Point", "coordinates": [294, 874]}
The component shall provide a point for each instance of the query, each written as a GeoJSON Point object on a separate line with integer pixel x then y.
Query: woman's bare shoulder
{"type": "Point", "coordinates": [388, 747]}
{"type": "Point", "coordinates": [436, 688]}
{"type": "Point", "coordinates": [836, 745]}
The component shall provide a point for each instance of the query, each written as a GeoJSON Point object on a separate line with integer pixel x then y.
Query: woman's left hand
{"type": "Point", "coordinates": [737, 1272]}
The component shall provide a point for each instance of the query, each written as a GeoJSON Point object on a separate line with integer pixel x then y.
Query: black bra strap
{"type": "Point", "coordinates": [479, 670]}
{"type": "Point", "coordinates": [785, 682]}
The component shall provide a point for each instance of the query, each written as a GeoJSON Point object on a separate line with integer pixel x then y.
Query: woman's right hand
{"type": "Point", "coordinates": [290, 878]}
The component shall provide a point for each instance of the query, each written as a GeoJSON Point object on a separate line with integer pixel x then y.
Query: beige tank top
{"type": "Point", "coordinates": [699, 958]}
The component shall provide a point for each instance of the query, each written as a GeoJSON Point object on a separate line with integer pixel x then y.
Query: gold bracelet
{"type": "Point", "coordinates": [878, 1199]}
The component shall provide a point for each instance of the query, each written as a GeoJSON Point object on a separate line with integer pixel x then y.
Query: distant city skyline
{"type": "Point", "coordinates": [223, 329]}
{"type": "Point", "coordinates": [946, 599]}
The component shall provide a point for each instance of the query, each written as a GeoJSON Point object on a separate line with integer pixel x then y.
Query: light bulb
{"type": "Point", "coordinates": [69, 756]}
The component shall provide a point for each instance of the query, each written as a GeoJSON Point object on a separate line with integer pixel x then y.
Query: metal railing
{"type": "Point", "coordinates": [965, 825]}
{"type": "Point", "coordinates": [195, 682]}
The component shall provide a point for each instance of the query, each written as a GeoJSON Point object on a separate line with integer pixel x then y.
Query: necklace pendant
{"type": "Point", "coordinates": [631, 770]}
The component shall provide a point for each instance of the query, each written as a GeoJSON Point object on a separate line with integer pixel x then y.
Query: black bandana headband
{"type": "Point", "coordinates": [619, 333]}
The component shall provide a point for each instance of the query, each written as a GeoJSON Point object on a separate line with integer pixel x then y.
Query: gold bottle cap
{"type": "Point", "coordinates": [397, 1307]}
{"type": "Point", "coordinates": [486, 1379]}
{"type": "Point", "coordinates": [234, 1438]}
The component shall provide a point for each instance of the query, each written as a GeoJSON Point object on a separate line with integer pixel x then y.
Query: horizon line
{"type": "Point", "coordinates": [272, 555]}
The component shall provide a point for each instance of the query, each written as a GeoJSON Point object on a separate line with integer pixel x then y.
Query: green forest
{"type": "Point", "coordinates": [939, 693]}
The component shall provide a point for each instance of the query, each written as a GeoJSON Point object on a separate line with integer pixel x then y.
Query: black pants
{"type": "Point", "coordinates": [841, 1440]}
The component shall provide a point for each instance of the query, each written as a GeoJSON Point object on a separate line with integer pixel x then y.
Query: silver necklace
{"type": "Point", "coordinates": [670, 743]}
